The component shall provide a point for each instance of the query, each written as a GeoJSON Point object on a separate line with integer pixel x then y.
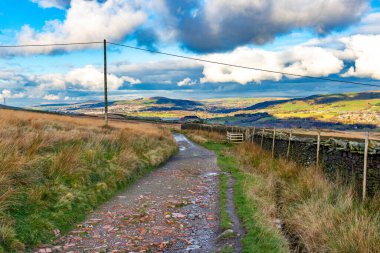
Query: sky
{"type": "Point", "coordinates": [338, 39]}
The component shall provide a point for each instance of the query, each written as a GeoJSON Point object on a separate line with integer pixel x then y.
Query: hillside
{"type": "Point", "coordinates": [314, 111]}
{"type": "Point", "coordinates": [350, 108]}
{"type": "Point", "coordinates": [158, 106]}
{"type": "Point", "coordinates": [56, 169]}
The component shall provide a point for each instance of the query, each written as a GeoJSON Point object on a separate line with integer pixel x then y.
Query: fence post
{"type": "Point", "coordinates": [365, 165]}
{"type": "Point", "coordinates": [318, 148]}
{"type": "Point", "coordinates": [274, 141]}
{"type": "Point", "coordinates": [253, 135]}
{"type": "Point", "coordinates": [262, 138]}
{"type": "Point", "coordinates": [290, 138]}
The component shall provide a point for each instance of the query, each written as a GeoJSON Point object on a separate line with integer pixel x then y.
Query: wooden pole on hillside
{"type": "Point", "coordinates": [290, 139]}
{"type": "Point", "coordinates": [105, 84]}
{"type": "Point", "coordinates": [318, 148]}
{"type": "Point", "coordinates": [274, 141]}
{"type": "Point", "coordinates": [365, 165]}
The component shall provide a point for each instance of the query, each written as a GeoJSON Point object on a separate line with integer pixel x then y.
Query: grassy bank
{"type": "Point", "coordinates": [55, 169]}
{"type": "Point", "coordinates": [256, 214]}
{"type": "Point", "coordinates": [318, 215]}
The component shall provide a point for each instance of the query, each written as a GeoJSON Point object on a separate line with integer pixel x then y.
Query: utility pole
{"type": "Point", "coordinates": [105, 84]}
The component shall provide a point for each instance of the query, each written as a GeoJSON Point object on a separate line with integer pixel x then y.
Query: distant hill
{"type": "Point", "coordinates": [347, 108]}
{"type": "Point", "coordinates": [266, 104]}
{"type": "Point", "coordinates": [168, 104]}
{"type": "Point", "coordinates": [9, 107]}
{"type": "Point", "coordinates": [320, 99]}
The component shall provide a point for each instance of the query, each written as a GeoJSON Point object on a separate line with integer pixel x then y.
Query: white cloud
{"type": "Point", "coordinates": [187, 82]}
{"type": "Point", "coordinates": [310, 61]}
{"type": "Point", "coordinates": [5, 93]}
{"type": "Point", "coordinates": [8, 94]}
{"type": "Point", "coordinates": [370, 24]}
{"type": "Point", "coordinates": [241, 56]}
{"type": "Point", "coordinates": [51, 97]}
{"type": "Point", "coordinates": [37, 86]}
{"type": "Point", "coordinates": [86, 21]}
{"type": "Point", "coordinates": [364, 51]}
{"type": "Point", "coordinates": [10, 77]}
{"type": "Point", "coordinates": [91, 78]}
{"type": "Point", "coordinates": [60, 4]}
{"type": "Point", "coordinates": [300, 60]}
{"type": "Point", "coordinates": [159, 72]}
{"type": "Point", "coordinates": [87, 78]}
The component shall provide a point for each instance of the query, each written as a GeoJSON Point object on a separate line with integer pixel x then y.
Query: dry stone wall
{"type": "Point", "coordinates": [342, 160]}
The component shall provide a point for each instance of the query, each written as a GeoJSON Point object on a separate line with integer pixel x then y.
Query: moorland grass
{"type": "Point", "coordinates": [56, 169]}
{"type": "Point", "coordinates": [319, 215]}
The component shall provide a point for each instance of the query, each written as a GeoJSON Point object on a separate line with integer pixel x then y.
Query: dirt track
{"type": "Point", "coordinates": [173, 209]}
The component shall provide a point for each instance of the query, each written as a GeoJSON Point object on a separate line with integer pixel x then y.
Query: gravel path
{"type": "Point", "coordinates": [173, 209]}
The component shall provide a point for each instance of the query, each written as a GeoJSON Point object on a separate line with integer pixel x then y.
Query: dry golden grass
{"type": "Point", "coordinates": [40, 118]}
{"type": "Point", "coordinates": [321, 215]}
{"type": "Point", "coordinates": [203, 136]}
{"type": "Point", "coordinates": [324, 216]}
{"type": "Point", "coordinates": [54, 169]}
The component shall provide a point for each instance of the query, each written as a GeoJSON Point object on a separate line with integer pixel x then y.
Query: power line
{"type": "Point", "coordinates": [191, 58]}
{"type": "Point", "coordinates": [243, 67]}
{"type": "Point", "coordinates": [48, 45]}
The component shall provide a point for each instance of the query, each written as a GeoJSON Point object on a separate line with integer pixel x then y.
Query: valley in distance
{"type": "Point", "coordinates": [347, 111]}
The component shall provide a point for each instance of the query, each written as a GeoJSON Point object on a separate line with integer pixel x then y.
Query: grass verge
{"type": "Point", "coordinates": [261, 234]}
{"type": "Point", "coordinates": [54, 170]}
{"type": "Point", "coordinates": [225, 221]}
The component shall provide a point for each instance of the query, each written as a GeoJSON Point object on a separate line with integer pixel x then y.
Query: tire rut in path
{"type": "Point", "coordinates": [173, 209]}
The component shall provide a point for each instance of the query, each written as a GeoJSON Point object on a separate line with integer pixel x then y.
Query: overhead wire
{"type": "Point", "coordinates": [53, 44]}
{"type": "Point", "coordinates": [243, 67]}
{"type": "Point", "coordinates": [194, 59]}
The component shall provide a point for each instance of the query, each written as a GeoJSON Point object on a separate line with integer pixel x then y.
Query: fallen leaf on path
{"type": "Point", "coordinates": [178, 215]}
{"type": "Point", "coordinates": [142, 231]}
